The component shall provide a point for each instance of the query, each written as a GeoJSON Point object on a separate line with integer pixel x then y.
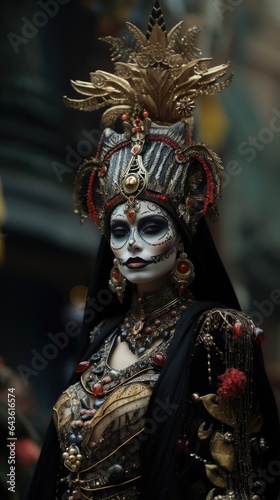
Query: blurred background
{"type": "Point", "coordinates": [47, 256]}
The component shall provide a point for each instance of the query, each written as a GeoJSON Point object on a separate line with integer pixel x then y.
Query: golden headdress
{"type": "Point", "coordinates": [156, 81]}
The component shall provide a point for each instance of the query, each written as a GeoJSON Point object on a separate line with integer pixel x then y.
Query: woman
{"type": "Point", "coordinates": [171, 399]}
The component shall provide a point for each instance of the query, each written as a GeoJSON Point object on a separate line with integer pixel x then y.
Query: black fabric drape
{"type": "Point", "coordinates": [166, 408]}
{"type": "Point", "coordinates": [270, 473]}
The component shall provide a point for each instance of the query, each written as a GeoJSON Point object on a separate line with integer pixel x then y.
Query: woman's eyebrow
{"type": "Point", "coordinates": [119, 223]}
{"type": "Point", "coordinates": [149, 214]}
{"type": "Point", "coordinates": [117, 216]}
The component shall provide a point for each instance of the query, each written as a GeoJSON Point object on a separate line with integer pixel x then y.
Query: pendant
{"type": "Point", "coordinates": [137, 327]}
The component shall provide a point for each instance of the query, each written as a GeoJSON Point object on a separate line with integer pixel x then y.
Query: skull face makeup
{"type": "Point", "coordinates": [146, 248]}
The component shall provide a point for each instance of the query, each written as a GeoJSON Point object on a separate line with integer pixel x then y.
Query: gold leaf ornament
{"type": "Point", "coordinates": [211, 494]}
{"type": "Point", "coordinates": [216, 475]}
{"type": "Point", "coordinates": [153, 72]}
{"type": "Point", "coordinates": [222, 452]}
{"type": "Point", "coordinates": [205, 433]}
{"type": "Point", "coordinates": [219, 409]}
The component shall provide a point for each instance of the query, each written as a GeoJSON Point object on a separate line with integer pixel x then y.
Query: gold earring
{"type": "Point", "coordinates": [117, 281]}
{"type": "Point", "coordinates": [182, 273]}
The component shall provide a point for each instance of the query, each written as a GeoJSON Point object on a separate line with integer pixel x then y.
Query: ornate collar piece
{"type": "Point", "coordinates": [152, 317]}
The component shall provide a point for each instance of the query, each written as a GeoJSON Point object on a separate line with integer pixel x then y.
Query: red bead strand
{"type": "Point", "coordinates": [170, 143]}
{"type": "Point", "coordinates": [90, 203]}
{"type": "Point", "coordinates": [116, 148]}
{"type": "Point", "coordinates": [209, 199]}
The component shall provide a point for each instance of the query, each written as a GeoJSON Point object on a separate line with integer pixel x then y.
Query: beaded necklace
{"type": "Point", "coordinates": [153, 316]}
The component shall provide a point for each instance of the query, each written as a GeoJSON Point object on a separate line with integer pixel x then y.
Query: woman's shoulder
{"type": "Point", "coordinates": [231, 325]}
{"type": "Point", "coordinates": [225, 344]}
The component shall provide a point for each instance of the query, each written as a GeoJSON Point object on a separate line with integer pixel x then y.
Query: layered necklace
{"type": "Point", "coordinates": [153, 316]}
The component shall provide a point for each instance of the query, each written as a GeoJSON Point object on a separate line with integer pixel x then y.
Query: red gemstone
{"type": "Point", "coordinates": [237, 329]}
{"type": "Point", "coordinates": [183, 445]}
{"type": "Point", "coordinates": [145, 113]}
{"type": "Point", "coordinates": [159, 359]}
{"type": "Point", "coordinates": [183, 267]}
{"type": "Point", "coordinates": [137, 327]}
{"type": "Point", "coordinates": [97, 389]}
{"type": "Point", "coordinates": [103, 170]}
{"type": "Point", "coordinates": [181, 157]}
{"type": "Point", "coordinates": [116, 274]}
{"type": "Point", "coordinates": [124, 117]}
{"type": "Point", "coordinates": [135, 149]}
{"type": "Point", "coordinates": [82, 366]}
{"type": "Point", "coordinates": [131, 215]}
{"type": "Point", "coordinates": [140, 300]}
{"type": "Point", "coordinates": [181, 292]}
{"type": "Point", "coordinates": [259, 336]}
{"type": "Point", "coordinates": [173, 313]}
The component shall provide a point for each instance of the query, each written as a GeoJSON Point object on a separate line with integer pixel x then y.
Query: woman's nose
{"type": "Point", "coordinates": [131, 242]}
{"type": "Point", "coordinates": [134, 242]}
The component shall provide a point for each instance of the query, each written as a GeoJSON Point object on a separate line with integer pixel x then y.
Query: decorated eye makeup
{"type": "Point", "coordinates": [155, 226]}
{"type": "Point", "coordinates": [119, 230]}
{"type": "Point", "coordinates": [148, 228]}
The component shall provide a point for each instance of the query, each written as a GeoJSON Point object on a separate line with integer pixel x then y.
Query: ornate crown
{"type": "Point", "coordinates": [156, 81]}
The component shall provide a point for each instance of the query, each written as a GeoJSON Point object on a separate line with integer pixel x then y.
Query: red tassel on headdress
{"type": "Point", "coordinates": [90, 203]}
{"type": "Point", "coordinates": [209, 199]}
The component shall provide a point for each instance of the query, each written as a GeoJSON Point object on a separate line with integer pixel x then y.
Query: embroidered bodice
{"type": "Point", "coordinates": [100, 423]}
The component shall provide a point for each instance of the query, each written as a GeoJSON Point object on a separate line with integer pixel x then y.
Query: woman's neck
{"type": "Point", "coordinates": [153, 286]}
{"type": "Point", "coordinates": [153, 304]}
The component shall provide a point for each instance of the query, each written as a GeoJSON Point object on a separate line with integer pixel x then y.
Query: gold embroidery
{"type": "Point", "coordinates": [125, 399]}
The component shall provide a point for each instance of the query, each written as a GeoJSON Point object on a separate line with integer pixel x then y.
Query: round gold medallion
{"type": "Point", "coordinates": [131, 183]}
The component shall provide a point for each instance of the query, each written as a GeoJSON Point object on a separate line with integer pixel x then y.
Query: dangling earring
{"type": "Point", "coordinates": [117, 281]}
{"type": "Point", "coordinates": [182, 273]}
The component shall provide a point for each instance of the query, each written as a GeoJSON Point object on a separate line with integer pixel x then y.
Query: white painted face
{"type": "Point", "coordinates": [146, 248]}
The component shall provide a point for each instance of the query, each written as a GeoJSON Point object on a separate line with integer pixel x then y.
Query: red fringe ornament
{"type": "Point", "coordinates": [233, 383]}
